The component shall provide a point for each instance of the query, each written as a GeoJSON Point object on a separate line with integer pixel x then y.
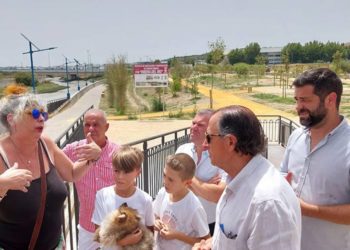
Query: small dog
{"type": "Point", "coordinates": [120, 223]}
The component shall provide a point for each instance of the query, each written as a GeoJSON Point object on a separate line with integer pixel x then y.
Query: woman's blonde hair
{"type": "Point", "coordinates": [127, 159]}
{"type": "Point", "coordinates": [16, 102]}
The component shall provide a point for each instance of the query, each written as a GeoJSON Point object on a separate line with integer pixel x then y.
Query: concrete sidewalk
{"type": "Point", "coordinates": [60, 122]}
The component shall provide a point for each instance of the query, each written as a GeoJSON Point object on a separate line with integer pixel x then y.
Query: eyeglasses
{"type": "Point", "coordinates": [36, 114]}
{"type": "Point", "coordinates": [209, 136]}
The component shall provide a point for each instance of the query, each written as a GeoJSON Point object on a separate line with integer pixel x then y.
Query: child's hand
{"type": "Point", "coordinates": [131, 239]}
{"type": "Point", "coordinates": [168, 234]}
{"type": "Point", "coordinates": [158, 225]}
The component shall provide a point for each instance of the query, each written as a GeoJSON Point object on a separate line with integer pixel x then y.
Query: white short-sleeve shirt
{"type": "Point", "coordinates": [258, 210]}
{"type": "Point", "coordinates": [204, 172]}
{"type": "Point", "coordinates": [186, 216]}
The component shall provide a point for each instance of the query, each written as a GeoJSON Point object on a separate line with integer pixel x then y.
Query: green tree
{"type": "Point", "coordinates": [241, 69]}
{"type": "Point", "coordinates": [294, 51]}
{"type": "Point", "coordinates": [25, 78]}
{"type": "Point", "coordinates": [259, 67]}
{"type": "Point", "coordinates": [330, 48]}
{"type": "Point", "coordinates": [117, 79]}
{"type": "Point", "coordinates": [217, 50]}
{"type": "Point", "coordinates": [251, 51]}
{"type": "Point", "coordinates": [236, 56]}
{"type": "Point", "coordinates": [313, 52]}
{"type": "Point", "coordinates": [337, 59]}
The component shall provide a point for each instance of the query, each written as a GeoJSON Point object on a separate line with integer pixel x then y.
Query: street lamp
{"type": "Point", "coordinates": [86, 79]}
{"type": "Point", "coordinates": [77, 68]}
{"type": "Point", "coordinates": [68, 94]}
{"type": "Point", "coordinates": [31, 51]}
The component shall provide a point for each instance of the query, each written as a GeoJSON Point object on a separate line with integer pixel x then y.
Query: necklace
{"type": "Point", "coordinates": [18, 151]}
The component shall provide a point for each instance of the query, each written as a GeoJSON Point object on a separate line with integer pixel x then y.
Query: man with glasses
{"type": "Point", "coordinates": [100, 174]}
{"type": "Point", "coordinates": [209, 181]}
{"type": "Point", "coordinates": [317, 159]}
{"type": "Point", "coordinates": [258, 209]}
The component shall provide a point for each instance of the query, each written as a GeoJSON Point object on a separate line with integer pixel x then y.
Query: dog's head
{"type": "Point", "coordinates": [126, 218]}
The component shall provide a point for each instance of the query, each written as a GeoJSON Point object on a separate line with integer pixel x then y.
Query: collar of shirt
{"type": "Point", "coordinates": [338, 129]}
{"type": "Point", "coordinates": [204, 156]}
{"type": "Point", "coordinates": [246, 171]}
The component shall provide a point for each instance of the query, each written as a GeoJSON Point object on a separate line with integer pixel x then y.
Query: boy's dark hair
{"type": "Point", "coordinates": [324, 81]}
{"type": "Point", "coordinates": [127, 158]}
{"type": "Point", "coordinates": [183, 164]}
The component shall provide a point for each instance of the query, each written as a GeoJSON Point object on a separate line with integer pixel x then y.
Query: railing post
{"type": "Point", "coordinates": [175, 141]}
{"type": "Point", "coordinates": [145, 167]}
{"type": "Point", "coordinates": [280, 130]}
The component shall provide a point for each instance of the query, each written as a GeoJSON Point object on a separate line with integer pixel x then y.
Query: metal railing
{"type": "Point", "coordinates": [277, 131]}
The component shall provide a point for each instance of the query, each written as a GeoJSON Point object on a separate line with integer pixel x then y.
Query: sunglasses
{"type": "Point", "coordinates": [36, 114]}
{"type": "Point", "coordinates": [208, 137]}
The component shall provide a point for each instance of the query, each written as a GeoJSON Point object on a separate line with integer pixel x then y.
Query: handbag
{"type": "Point", "coordinates": [40, 216]}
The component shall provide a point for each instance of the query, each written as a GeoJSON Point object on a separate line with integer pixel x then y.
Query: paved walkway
{"type": "Point", "coordinates": [59, 123]}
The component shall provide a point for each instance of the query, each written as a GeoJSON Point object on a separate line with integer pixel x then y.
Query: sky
{"type": "Point", "coordinates": [145, 30]}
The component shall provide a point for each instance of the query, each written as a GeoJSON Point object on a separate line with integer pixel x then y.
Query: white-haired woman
{"type": "Point", "coordinates": [24, 118]}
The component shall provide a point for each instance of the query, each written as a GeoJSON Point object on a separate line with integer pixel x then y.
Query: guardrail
{"type": "Point", "coordinates": [277, 131]}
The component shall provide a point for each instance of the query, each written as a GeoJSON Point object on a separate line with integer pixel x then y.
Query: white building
{"type": "Point", "coordinates": [273, 54]}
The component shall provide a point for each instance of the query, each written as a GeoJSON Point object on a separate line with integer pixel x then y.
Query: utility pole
{"type": "Point", "coordinates": [77, 68]}
{"type": "Point", "coordinates": [68, 94]}
{"type": "Point", "coordinates": [30, 52]}
{"type": "Point", "coordinates": [85, 75]}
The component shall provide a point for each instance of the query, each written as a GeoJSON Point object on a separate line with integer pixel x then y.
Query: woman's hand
{"type": "Point", "coordinates": [16, 179]}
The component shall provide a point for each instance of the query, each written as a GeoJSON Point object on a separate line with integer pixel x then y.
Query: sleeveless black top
{"type": "Point", "coordinates": [18, 212]}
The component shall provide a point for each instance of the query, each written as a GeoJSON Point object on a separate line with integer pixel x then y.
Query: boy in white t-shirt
{"type": "Point", "coordinates": [180, 218]}
{"type": "Point", "coordinates": [127, 163]}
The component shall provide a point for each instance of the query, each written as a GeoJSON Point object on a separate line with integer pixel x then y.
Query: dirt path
{"type": "Point", "coordinates": [221, 98]}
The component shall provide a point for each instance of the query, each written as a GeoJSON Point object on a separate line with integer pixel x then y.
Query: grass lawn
{"type": "Point", "coordinates": [274, 98]}
{"type": "Point", "coordinates": [48, 87]}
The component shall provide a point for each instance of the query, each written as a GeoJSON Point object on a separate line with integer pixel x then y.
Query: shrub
{"type": "Point", "coordinates": [157, 105]}
{"type": "Point", "coordinates": [25, 78]}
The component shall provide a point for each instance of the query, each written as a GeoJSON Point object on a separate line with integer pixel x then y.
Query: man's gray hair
{"type": "Point", "coordinates": [205, 112]}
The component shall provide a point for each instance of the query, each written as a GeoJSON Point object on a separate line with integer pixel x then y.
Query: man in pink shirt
{"type": "Point", "coordinates": [100, 174]}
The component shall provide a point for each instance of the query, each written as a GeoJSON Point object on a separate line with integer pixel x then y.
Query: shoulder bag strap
{"type": "Point", "coordinates": [40, 216]}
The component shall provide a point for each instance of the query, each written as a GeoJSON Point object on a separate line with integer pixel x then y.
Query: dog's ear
{"type": "Point", "coordinates": [138, 217]}
{"type": "Point", "coordinates": [121, 218]}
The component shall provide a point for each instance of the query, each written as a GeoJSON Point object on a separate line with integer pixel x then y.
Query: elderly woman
{"type": "Point", "coordinates": [44, 192]}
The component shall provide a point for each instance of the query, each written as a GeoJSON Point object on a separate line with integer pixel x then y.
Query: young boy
{"type": "Point", "coordinates": [127, 167]}
{"type": "Point", "coordinates": [180, 218]}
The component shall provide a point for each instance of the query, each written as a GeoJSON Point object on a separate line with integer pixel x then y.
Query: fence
{"type": "Point", "coordinates": [277, 130]}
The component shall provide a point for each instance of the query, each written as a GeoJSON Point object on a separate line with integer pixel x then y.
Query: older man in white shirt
{"type": "Point", "coordinates": [258, 209]}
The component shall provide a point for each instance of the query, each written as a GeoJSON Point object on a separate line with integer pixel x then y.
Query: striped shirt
{"type": "Point", "coordinates": [99, 175]}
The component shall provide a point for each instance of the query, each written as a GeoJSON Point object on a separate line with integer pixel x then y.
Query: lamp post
{"type": "Point", "coordinates": [68, 94]}
{"type": "Point", "coordinates": [77, 68]}
{"type": "Point", "coordinates": [30, 52]}
{"type": "Point", "coordinates": [85, 75]}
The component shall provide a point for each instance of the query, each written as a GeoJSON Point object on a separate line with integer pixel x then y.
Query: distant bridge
{"type": "Point", "coordinates": [41, 73]}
